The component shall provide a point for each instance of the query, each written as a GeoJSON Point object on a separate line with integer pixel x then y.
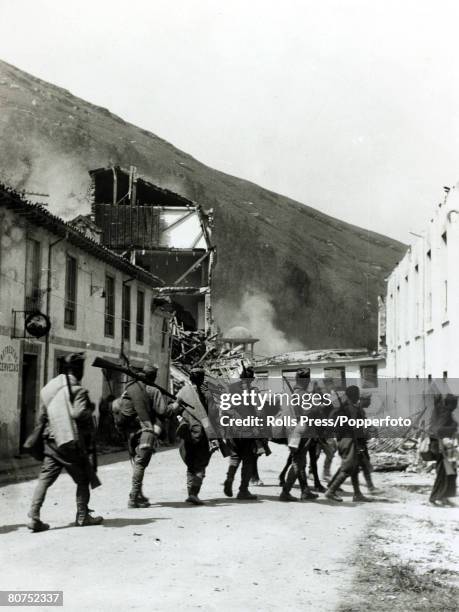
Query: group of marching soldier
{"type": "Point", "coordinates": [65, 437]}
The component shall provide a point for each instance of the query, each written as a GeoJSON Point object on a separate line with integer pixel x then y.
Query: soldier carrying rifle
{"type": "Point", "coordinates": [136, 415]}
{"type": "Point", "coordinates": [66, 428]}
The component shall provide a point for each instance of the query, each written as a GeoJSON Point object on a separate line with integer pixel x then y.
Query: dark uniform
{"type": "Point", "coordinates": [351, 447]}
{"type": "Point", "coordinates": [244, 450]}
{"type": "Point", "coordinates": [139, 409]}
{"type": "Point", "coordinates": [76, 457]}
{"type": "Point", "coordinates": [195, 448]}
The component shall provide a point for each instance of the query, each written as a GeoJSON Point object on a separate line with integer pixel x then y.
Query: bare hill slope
{"type": "Point", "coordinates": [295, 276]}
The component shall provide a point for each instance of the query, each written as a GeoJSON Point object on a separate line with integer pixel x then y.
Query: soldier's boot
{"type": "Point", "coordinates": [143, 497]}
{"type": "Point", "coordinates": [286, 496]}
{"type": "Point", "coordinates": [35, 524]}
{"type": "Point", "coordinates": [244, 493]}
{"type": "Point", "coordinates": [247, 471]}
{"type": "Point", "coordinates": [137, 502]}
{"type": "Point", "coordinates": [358, 495]}
{"type": "Point", "coordinates": [306, 493]}
{"type": "Point", "coordinates": [136, 499]}
{"type": "Point", "coordinates": [193, 496]}
{"type": "Point", "coordinates": [335, 485]}
{"type": "Point", "coordinates": [84, 519]}
{"type": "Point", "coordinates": [318, 485]}
{"type": "Point", "coordinates": [228, 484]}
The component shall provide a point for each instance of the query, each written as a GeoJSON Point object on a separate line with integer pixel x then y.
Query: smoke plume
{"type": "Point", "coordinates": [257, 314]}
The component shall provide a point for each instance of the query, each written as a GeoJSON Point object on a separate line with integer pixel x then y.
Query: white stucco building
{"type": "Point", "coordinates": [421, 306]}
{"type": "Point", "coordinates": [95, 301]}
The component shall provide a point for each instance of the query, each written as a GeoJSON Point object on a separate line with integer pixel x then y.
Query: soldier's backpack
{"type": "Point", "coordinates": [124, 414]}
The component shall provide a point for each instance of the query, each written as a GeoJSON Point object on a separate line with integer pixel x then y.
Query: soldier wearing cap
{"type": "Point", "coordinates": [68, 434]}
{"type": "Point", "coordinates": [142, 406]}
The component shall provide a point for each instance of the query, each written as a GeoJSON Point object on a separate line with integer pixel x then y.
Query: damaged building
{"type": "Point", "coordinates": [60, 292]}
{"type": "Point", "coordinates": [129, 280]}
{"type": "Point", "coordinates": [161, 231]}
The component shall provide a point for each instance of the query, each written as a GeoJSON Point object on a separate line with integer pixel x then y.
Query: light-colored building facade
{"type": "Point", "coordinates": [419, 328]}
{"type": "Point", "coordinates": [344, 366]}
{"type": "Point", "coordinates": [96, 302]}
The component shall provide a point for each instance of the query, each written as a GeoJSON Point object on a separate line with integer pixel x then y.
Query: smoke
{"type": "Point", "coordinates": [63, 177]}
{"type": "Point", "coordinates": [257, 314]}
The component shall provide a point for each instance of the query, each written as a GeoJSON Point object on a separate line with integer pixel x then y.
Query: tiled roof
{"type": "Point", "coordinates": [40, 216]}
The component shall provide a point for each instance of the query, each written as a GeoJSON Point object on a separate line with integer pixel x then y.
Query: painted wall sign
{"type": "Point", "coordinates": [9, 361]}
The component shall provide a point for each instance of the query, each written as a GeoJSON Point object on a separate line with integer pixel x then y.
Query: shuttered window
{"type": "Point", "coordinates": [140, 322]}
{"type": "Point", "coordinates": [109, 306]}
{"type": "Point", "coordinates": [71, 273]}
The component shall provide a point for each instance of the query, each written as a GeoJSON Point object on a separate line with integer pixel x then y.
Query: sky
{"type": "Point", "coordinates": [351, 107]}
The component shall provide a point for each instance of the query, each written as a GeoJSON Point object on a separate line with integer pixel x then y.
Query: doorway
{"type": "Point", "coordinates": [29, 396]}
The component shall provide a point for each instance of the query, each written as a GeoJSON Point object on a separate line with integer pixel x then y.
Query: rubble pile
{"type": "Point", "coordinates": [198, 348]}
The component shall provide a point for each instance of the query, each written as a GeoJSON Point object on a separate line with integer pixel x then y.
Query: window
{"type": "Point", "coordinates": [109, 306]}
{"type": "Point", "coordinates": [445, 375]}
{"type": "Point", "coordinates": [139, 329]}
{"type": "Point", "coordinates": [444, 237]}
{"type": "Point", "coordinates": [429, 254]}
{"type": "Point", "coordinates": [126, 323]}
{"type": "Point", "coordinates": [338, 375]}
{"type": "Point", "coordinates": [369, 376]}
{"type": "Point", "coordinates": [32, 275]}
{"type": "Point", "coordinates": [71, 271]}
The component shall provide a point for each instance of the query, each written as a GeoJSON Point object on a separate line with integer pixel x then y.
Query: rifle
{"type": "Point", "coordinates": [132, 372]}
{"type": "Point", "coordinates": [137, 374]}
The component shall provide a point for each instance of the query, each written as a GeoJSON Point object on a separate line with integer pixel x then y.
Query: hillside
{"type": "Point", "coordinates": [296, 277]}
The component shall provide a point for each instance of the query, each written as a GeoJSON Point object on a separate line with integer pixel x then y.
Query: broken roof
{"type": "Point", "coordinates": [318, 356]}
{"type": "Point", "coordinates": [147, 192]}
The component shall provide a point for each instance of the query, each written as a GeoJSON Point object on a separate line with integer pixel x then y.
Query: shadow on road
{"type": "Point", "coordinates": [219, 501]}
{"type": "Point", "coordinates": [8, 528]}
{"type": "Point", "coordinates": [119, 522]}
{"type": "Point", "coordinates": [126, 522]}
{"type": "Point", "coordinates": [110, 522]}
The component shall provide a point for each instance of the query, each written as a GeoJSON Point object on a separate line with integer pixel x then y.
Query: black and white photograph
{"type": "Point", "coordinates": [229, 305]}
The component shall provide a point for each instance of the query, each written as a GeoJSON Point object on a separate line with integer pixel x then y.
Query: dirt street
{"type": "Point", "coordinates": [228, 555]}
